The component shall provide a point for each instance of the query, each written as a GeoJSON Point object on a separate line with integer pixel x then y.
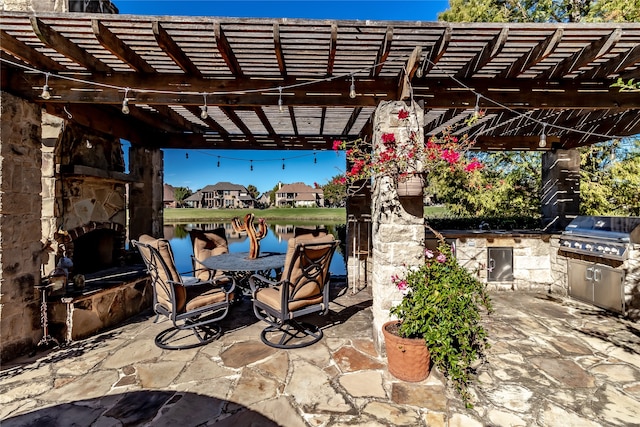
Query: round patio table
{"type": "Point", "coordinates": [238, 264]}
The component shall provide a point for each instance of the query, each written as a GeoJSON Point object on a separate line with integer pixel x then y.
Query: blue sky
{"type": "Point", "coordinates": [196, 168]}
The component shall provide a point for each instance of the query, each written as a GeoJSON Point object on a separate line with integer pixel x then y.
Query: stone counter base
{"type": "Point", "coordinates": [79, 317]}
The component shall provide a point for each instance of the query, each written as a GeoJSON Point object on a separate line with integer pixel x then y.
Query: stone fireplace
{"type": "Point", "coordinates": [89, 206]}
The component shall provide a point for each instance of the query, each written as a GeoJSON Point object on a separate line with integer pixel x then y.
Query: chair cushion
{"type": "Point", "coordinates": [202, 296]}
{"type": "Point", "coordinates": [164, 250]}
{"type": "Point", "coordinates": [271, 297]}
{"type": "Point", "coordinates": [207, 244]}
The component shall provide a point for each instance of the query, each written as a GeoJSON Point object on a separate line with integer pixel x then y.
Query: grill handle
{"type": "Point", "coordinates": [589, 273]}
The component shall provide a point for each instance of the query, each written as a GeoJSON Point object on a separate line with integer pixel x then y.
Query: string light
{"type": "Point", "coordinates": [125, 108]}
{"type": "Point", "coordinates": [125, 102]}
{"type": "Point", "coordinates": [204, 114]}
{"type": "Point", "coordinates": [476, 110]}
{"type": "Point", "coordinates": [352, 89]}
{"type": "Point", "coordinates": [543, 137]}
{"type": "Point", "coordinates": [282, 164]}
{"type": "Point", "coordinates": [218, 161]}
{"type": "Point", "coordinates": [186, 155]}
{"type": "Point", "coordinates": [315, 160]}
{"type": "Point", "coordinates": [280, 106]}
{"type": "Point", "coordinates": [45, 89]}
{"type": "Point", "coordinates": [251, 167]}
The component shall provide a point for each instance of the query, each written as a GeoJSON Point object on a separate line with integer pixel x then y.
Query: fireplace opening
{"type": "Point", "coordinates": [95, 251]}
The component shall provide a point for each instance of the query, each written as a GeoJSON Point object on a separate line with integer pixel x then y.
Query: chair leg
{"type": "Point", "coordinates": [170, 339]}
{"type": "Point", "coordinates": [280, 336]}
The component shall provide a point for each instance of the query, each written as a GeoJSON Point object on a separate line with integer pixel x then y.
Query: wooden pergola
{"type": "Point", "coordinates": [530, 78]}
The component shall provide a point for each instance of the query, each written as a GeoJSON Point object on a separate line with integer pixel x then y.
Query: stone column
{"type": "Point", "coordinates": [51, 129]}
{"type": "Point", "coordinates": [20, 225]}
{"type": "Point", "coordinates": [146, 195]}
{"type": "Point", "coordinates": [560, 188]}
{"type": "Point", "coordinates": [397, 225]}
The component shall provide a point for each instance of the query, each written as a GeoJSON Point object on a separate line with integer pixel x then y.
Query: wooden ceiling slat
{"type": "Point", "coordinates": [171, 48]}
{"type": "Point", "coordinates": [64, 46]}
{"type": "Point", "coordinates": [25, 52]}
{"type": "Point", "coordinates": [120, 49]}
{"type": "Point", "coordinates": [267, 125]}
{"type": "Point", "coordinates": [352, 119]}
{"type": "Point", "coordinates": [482, 58]}
{"type": "Point", "coordinates": [231, 114]}
{"type": "Point", "coordinates": [209, 121]}
{"type": "Point", "coordinates": [584, 56]}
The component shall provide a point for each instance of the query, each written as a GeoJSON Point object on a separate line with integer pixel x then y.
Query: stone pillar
{"type": "Point", "coordinates": [20, 225]}
{"type": "Point", "coordinates": [146, 195]}
{"type": "Point", "coordinates": [35, 5]}
{"type": "Point", "coordinates": [51, 129]}
{"type": "Point", "coordinates": [397, 225]}
{"type": "Point", "coordinates": [560, 188]}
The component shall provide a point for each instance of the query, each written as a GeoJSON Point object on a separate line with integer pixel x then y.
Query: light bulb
{"type": "Point", "coordinates": [543, 140]}
{"type": "Point", "coordinates": [280, 106]}
{"type": "Point", "coordinates": [125, 106]}
{"type": "Point", "coordinates": [204, 114]}
{"type": "Point", "coordinates": [419, 72]}
{"type": "Point", "coordinates": [352, 89]}
{"type": "Point", "coordinates": [45, 92]}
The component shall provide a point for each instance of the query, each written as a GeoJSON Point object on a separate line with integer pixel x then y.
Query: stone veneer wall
{"type": "Point", "coordinates": [632, 283]}
{"type": "Point", "coordinates": [20, 225]}
{"type": "Point", "coordinates": [35, 5]}
{"type": "Point", "coordinates": [531, 261]}
{"type": "Point", "coordinates": [397, 228]}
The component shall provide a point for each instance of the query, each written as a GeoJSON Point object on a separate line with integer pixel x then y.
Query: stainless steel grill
{"type": "Point", "coordinates": [601, 236]}
{"type": "Point", "coordinates": [599, 251]}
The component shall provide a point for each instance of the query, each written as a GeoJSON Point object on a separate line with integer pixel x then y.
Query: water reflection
{"type": "Point", "coordinates": [275, 241]}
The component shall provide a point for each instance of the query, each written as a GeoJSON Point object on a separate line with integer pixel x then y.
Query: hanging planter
{"type": "Point", "coordinates": [408, 359]}
{"type": "Point", "coordinates": [411, 186]}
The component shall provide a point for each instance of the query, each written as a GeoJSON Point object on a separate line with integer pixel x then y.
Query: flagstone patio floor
{"type": "Point", "coordinates": [553, 362]}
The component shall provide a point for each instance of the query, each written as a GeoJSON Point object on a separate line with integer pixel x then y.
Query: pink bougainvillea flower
{"type": "Point", "coordinates": [451, 156]}
{"type": "Point", "coordinates": [428, 253]}
{"type": "Point", "coordinates": [402, 285]}
{"type": "Point", "coordinates": [388, 138]}
{"type": "Point", "coordinates": [473, 166]}
{"type": "Point", "coordinates": [442, 258]}
{"type": "Point", "coordinates": [403, 114]}
{"type": "Point", "coordinates": [337, 144]}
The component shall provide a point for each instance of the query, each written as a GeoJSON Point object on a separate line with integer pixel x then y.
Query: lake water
{"type": "Point", "coordinates": [275, 241]}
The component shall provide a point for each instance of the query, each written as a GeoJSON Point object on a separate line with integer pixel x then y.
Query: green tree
{"type": "Point", "coordinates": [541, 11]}
{"type": "Point", "coordinates": [610, 179]}
{"type": "Point", "coordinates": [253, 191]}
{"type": "Point", "coordinates": [180, 194]}
{"type": "Point", "coordinates": [272, 195]}
{"type": "Point", "coordinates": [335, 193]}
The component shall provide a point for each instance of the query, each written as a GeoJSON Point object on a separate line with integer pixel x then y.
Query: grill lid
{"type": "Point", "coordinates": [622, 229]}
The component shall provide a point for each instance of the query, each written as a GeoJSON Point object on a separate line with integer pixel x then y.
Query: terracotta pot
{"type": "Point", "coordinates": [408, 359]}
{"type": "Point", "coordinates": [413, 186]}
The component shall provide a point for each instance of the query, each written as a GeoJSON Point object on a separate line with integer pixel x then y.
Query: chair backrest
{"type": "Point", "coordinates": [206, 244]}
{"type": "Point", "coordinates": [306, 267]}
{"type": "Point", "coordinates": [313, 231]}
{"type": "Point", "coordinates": [159, 259]}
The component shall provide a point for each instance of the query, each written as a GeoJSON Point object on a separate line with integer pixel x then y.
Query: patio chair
{"type": "Point", "coordinates": [192, 305]}
{"type": "Point", "coordinates": [206, 244]}
{"type": "Point", "coordinates": [303, 289]}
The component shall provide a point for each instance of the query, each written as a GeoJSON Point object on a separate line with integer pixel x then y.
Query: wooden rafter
{"type": "Point", "coordinates": [231, 114]}
{"type": "Point", "coordinates": [113, 44]}
{"type": "Point", "coordinates": [351, 121]}
{"type": "Point", "coordinates": [225, 50]}
{"type": "Point", "coordinates": [488, 52]}
{"type": "Point", "coordinates": [267, 125]}
{"type": "Point", "coordinates": [333, 44]}
{"type": "Point", "coordinates": [277, 45]}
{"type": "Point", "coordinates": [66, 47]}
{"type": "Point", "coordinates": [383, 52]}
{"type": "Point", "coordinates": [28, 54]}
{"type": "Point", "coordinates": [618, 63]}
{"type": "Point", "coordinates": [209, 121]}
{"type": "Point", "coordinates": [437, 50]}
{"type": "Point", "coordinates": [534, 56]}
{"type": "Point", "coordinates": [171, 48]}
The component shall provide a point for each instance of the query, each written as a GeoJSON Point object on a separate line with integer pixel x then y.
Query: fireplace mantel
{"type": "Point", "coordinates": [81, 171]}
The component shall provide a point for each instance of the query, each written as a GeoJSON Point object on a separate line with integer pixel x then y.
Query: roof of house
{"type": "Point", "coordinates": [299, 187]}
{"type": "Point", "coordinates": [225, 186]}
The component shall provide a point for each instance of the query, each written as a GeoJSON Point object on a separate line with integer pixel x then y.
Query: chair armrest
{"type": "Point", "coordinates": [228, 286]}
{"type": "Point", "coordinates": [257, 281]}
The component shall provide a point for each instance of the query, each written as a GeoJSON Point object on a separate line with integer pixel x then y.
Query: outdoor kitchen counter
{"type": "Point", "coordinates": [484, 234]}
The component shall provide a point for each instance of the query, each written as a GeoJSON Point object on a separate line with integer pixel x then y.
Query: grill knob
{"type": "Point", "coordinates": [588, 247]}
{"type": "Point", "coordinates": [576, 244]}
{"type": "Point", "coordinates": [600, 248]}
{"type": "Point", "coordinates": [567, 243]}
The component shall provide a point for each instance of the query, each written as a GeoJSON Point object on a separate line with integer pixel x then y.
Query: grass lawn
{"type": "Point", "coordinates": [324, 215]}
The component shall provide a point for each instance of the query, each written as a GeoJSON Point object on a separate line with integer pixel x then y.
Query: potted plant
{"type": "Point", "coordinates": [442, 305]}
{"type": "Point", "coordinates": [402, 156]}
